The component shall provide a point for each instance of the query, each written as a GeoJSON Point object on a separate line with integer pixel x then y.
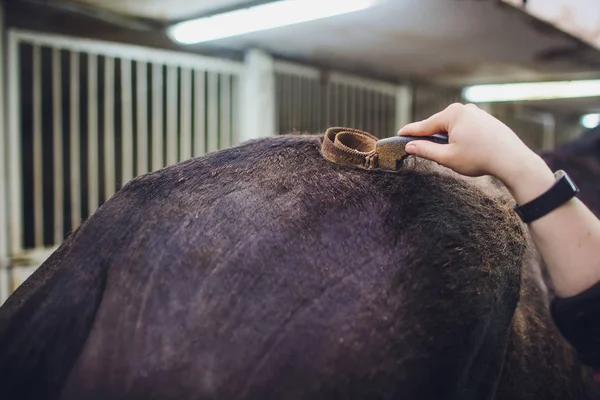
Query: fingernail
{"type": "Point", "coordinates": [410, 147]}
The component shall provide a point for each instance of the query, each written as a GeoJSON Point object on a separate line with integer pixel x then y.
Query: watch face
{"type": "Point", "coordinates": [562, 175]}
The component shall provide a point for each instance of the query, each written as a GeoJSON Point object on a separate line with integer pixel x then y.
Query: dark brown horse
{"type": "Point", "coordinates": [267, 272]}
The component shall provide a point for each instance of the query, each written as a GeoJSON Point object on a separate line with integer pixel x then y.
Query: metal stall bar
{"type": "Point", "coordinates": [300, 106]}
{"type": "Point", "coordinates": [385, 101]}
{"type": "Point", "coordinates": [392, 130]}
{"type": "Point", "coordinates": [377, 105]}
{"type": "Point", "coordinates": [185, 114]}
{"type": "Point", "coordinates": [332, 95]}
{"type": "Point", "coordinates": [38, 178]}
{"type": "Point", "coordinates": [315, 107]}
{"type": "Point", "coordinates": [327, 104]}
{"type": "Point", "coordinates": [57, 145]}
{"type": "Point", "coordinates": [345, 104]}
{"type": "Point", "coordinates": [93, 179]}
{"type": "Point", "coordinates": [297, 110]}
{"type": "Point", "coordinates": [74, 147]}
{"type": "Point", "coordinates": [213, 112]}
{"type": "Point", "coordinates": [199, 113]}
{"type": "Point", "coordinates": [15, 192]}
{"type": "Point", "coordinates": [157, 117]}
{"type": "Point", "coordinates": [333, 105]}
{"type": "Point", "coordinates": [369, 110]}
{"type": "Point", "coordinates": [278, 98]}
{"type": "Point", "coordinates": [320, 107]}
{"type": "Point", "coordinates": [290, 105]}
{"type": "Point", "coordinates": [308, 114]}
{"type": "Point", "coordinates": [352, 106]}
{"type": "Point", "coordinates": [171, 115]}
{"type": "Point", "coordinates": [236, 110]}
{"type": "Point", "coordinates": [339, 103]}
{"type": "Point", "coordinates": [391, 118]}
{"type": "Point", "coordinates": [109, 127]}
{"type": "Point", "coordinates": [382, 115]}
{"type": "Point", "coordinates": [142, 118]}
{"type": "Point", "coordinates": [360, 110]}
{"type": "Point", "coordinates": [286, 103]}
{"type": "Point", "coordinates": [126, 122]}
{"type": "Point", "coordinates": [292, 95]}
{"type": "Point", "coordinates": [4, 274]}
{"type": "Point", "coordinates": [225, 111]}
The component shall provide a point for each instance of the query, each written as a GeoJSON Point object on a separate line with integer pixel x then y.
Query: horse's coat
{"type": "Point", "coordinates": [266, 272]}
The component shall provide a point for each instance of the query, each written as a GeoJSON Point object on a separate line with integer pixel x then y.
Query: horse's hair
{"type": "Point", "coordinates": [266, 272]}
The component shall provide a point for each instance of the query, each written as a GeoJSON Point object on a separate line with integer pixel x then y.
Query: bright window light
{"type": "Point", "coordinates": [532, 91]}
{"type": "Point", "coordinates": [262, 17]}
{"type": "Point", "coordinates": [590, 121]}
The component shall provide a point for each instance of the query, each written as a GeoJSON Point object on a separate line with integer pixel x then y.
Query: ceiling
{"type": "Point", "coordinates": [162, 10]}
{"type": "Point", "coordinates": [580, 18]}
{"type": "Point", "coordinates": [451, 42]}
{"type": "Point", "coordinates": [455, 42]}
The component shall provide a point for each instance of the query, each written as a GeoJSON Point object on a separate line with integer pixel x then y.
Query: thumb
{"type": "Point", "coordinates": [429, 150]}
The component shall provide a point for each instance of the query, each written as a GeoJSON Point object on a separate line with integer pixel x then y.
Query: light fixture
{"type": "Point", "coordinates": [262, 17]}
{"type": "Point", "coordinates": [532, 91]}
{"type": "Point", "coordinates": [590, 121]}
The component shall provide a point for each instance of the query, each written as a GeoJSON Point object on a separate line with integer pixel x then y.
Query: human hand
{"type": "Point", "coordinates": [478, 144]}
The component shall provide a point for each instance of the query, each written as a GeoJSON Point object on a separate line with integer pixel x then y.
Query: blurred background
{"type": "Point", "coordinates": [96, 92]}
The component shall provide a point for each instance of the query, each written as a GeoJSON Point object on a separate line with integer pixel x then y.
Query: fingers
{"type": "Point", "coordinates": [432, 125]}
{"type": "Point", "coordinates": [437, 123]}
{"type": "Point", "coordinates": [429, 150]}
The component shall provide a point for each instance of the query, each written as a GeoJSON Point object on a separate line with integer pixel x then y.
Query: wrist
{"type": "Point", "coordinates": [528, 179]}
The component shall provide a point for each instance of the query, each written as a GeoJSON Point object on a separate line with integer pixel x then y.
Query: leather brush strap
{"type": "Point", "coordinates": [354, 148]}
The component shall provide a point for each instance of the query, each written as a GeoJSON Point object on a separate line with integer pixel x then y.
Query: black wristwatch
{"type": "Point", "coordinates": [563, 190]}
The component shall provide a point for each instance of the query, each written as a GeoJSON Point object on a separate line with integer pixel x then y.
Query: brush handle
{"type": "Point", "coordinates": [437, 138]}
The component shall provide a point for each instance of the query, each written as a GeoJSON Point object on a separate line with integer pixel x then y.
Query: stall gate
{"type": "Point", "coordinates": [310, 100]}
{"type": "Point", "coordinates": [86, 116]}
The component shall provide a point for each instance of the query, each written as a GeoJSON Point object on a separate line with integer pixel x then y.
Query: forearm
{"type": "Point", "coordinates": [568, 238]}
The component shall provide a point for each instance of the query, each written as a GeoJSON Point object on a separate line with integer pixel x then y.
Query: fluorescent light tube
{"type": "Point", "coordinates": [262, 17]}
{"type": "Point", "coordinates": [532, 91]}
{"type": "Point", "coordinates": [590, 121]}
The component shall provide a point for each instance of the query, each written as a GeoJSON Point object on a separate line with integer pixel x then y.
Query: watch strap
{"type": "Point", "coordinates": [561, 191]}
